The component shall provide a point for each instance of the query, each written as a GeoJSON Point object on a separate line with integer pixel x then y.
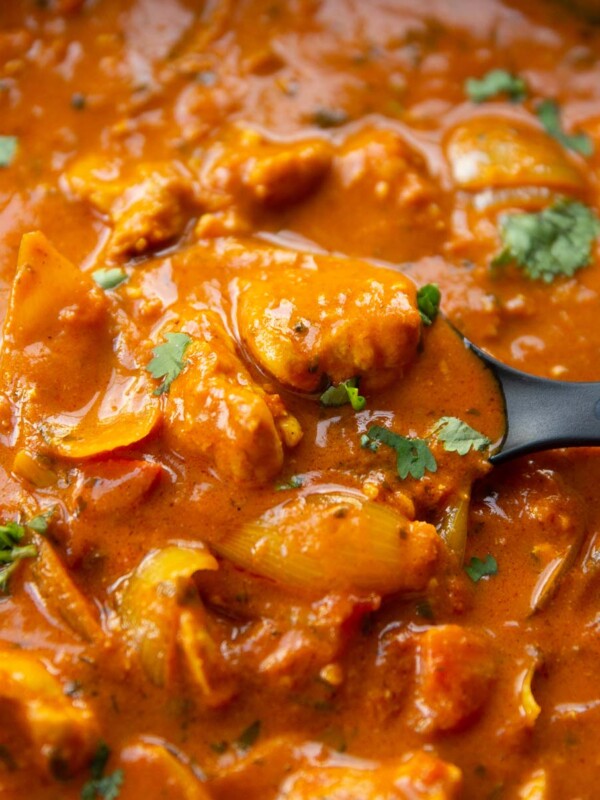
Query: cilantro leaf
{"type": "Point", "coordinates": [168, 360]}
{"type": "Point", "coordinates": [295, 482]}
{"type": "Point", "coordinates": [107, 787]}
{"type": "Point", "coordinates": [8, 150]}
{"type": "Point", "coordinates": [548, 114]}
{"type": "Point", "coordinates": [413, 456]}
{"type": "Point", "coordinates": [249, 736]}
{"type": "Point", "coordinates": [477, 569]}
{"type": "Point", "coordinates": [367, 444]}
{"type": "Point", "coordinates": [458, 437]}
{"type": "Point", "coordinates": [497, 81]}
{"type": "Point", "coordinates": [345, 392]}
{"type": "Point", "coordinates": [428, 302]}
{"type": "Point", "coordinates": [109, 278]}
{"type": "Point", "coordinates": [100, 760]}
{"type": "Point", "coordinates": [39, 524]}
{"type": "Point", "coordinates": [548, 243]}
{"type": "Point", "coordinates": [12, 552]}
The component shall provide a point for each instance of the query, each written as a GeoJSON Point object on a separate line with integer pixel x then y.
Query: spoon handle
{"type": "Point", "coordinates": [543, 414]}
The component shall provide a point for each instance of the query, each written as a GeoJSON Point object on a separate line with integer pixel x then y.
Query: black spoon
{"type": "Point", "coordinates": [542, 414]}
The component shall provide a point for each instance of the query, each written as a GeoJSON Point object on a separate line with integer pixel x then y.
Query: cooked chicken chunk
{"type": "Point", "coordinates": [63, 732]}
{"type": "Point", "coordinates": [147, 209]}
{"type": "Point", "coordinates": [265, 172]}
{"type": "Point", "coordinates": [214, 409]}
{"type": "Point", "coordinates": [343, 319]}
{"type": "Point", "coordinates": [455, 676]}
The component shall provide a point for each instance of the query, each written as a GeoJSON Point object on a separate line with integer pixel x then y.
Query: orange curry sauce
{"type": "Point", "coordinates": [211, 212]}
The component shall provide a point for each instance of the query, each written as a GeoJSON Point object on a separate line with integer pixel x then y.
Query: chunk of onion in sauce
{"type": "Point", "coordinates": [529, 708]}
{"type": "Point", "coordinates": [151, 603]}
{"type": "Point", "coordinates": [490, 152]}
{"type": "Point", "coordinates": [454, 524]}
{"type": "Point", "coordinates": [60, 596]}
{"type": "Point", "coordinates": [321, 542]}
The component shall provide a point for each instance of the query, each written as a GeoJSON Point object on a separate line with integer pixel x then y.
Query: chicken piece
{"type": "Point", "coordinates": [147, 209]}
{"type": "Point", "coordinates": [62, 732]}
{"type": "Point", "coordinates": [456, 670]}
{"type": "Point", "coordinates": [214, 409]}
{"type": "Point", "coordinates": [378, 190]}
{"type": "Point", "coordinates": [420, 777]}
{"type": "Point", "coordinates": [154, 773]}
{"type": "Point", "coordinates": [258, 171]}
{"type": "Point", "coordinates": [342, 319]}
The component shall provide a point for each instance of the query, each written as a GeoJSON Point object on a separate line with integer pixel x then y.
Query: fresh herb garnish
{"type": "Point", "coordinates": [295, 482]}
{"type": "Point", "coordinates": [548, 113]}
{"type": "Point", "coordinates": [477, 569]}
{"type": "Point", "coordinates": [107, 787]}
{"type": "Point", "coordinates": [12, 552]}
{"type": "Point", "coordinates": [8, 150]}
{"type": "Point", "coordinates": [458, 437]}
{"type": "Point", "coordinates": [109, 278]}
{"type": "Point", "coordinates": [39, 524]}
{"type": "Point", "coordinates": [548, 243]}
{"type": "Point", "coordinates": [249, 736]}
{"type": "Point", "coordinates": [495, 82]}
{"type": "Point", "coordinates": [368, 444]}
{"type": "Point", "coordinates": [413, 456]}
{"type": "Point", "coordinates": [345, 392]}
{"type": "Point", "coordinates": [168, 360]}
{"type": "Point", "coordinates": [428, 302]}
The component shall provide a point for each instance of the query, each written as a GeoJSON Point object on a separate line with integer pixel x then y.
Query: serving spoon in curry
{"type": "Point", "coordinates": [540, 413]}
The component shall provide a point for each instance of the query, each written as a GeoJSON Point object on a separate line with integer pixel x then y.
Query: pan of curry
{"type": "Point", "coordinates": [251, 540]}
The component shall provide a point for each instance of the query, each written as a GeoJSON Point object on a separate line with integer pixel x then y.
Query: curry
{"type": "Point", "coordinates": [251, 543]}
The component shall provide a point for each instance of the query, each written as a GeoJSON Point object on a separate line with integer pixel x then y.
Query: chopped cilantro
{"type": "Point", "coordinates": [107, 787]}
{"type": "Point", "coordinates": [546, 244]}
{"type": "Point", "coordinates": [109, 278]}
{"type": "Point", "coordinates": [11, 550]}
{"type": "Point", "coordinates": [367, 444]}
{"type": "Point", "coordinates": [548, 114]}
{"type": "Point", "coordinates": [329, 117]}
{"type": "Point", "coordinates": [345, 392]}
{"type": "Point", "coordinates": [249, 736]}
{"type": "Point", "coordinates": [428, 302]}
{"type": "Point", "coordinates": [295, 482]}
{"type": "Point", "coordinates": [495, 82]}
{"type": "Point", "coordinates": [219, 747]}
{"type": "Point", "coordinates": [458, 437]}
{"type": "Point", "coordinates": [8, 150]}
{"type": "Point", "coordinates": [413, 456]}
{"type": "Point", "coordinates": [168, 360]}
{"type": "Point", "coordinates": [39, 524]}
{"type": "Point", "coordinates": [477, 569]}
